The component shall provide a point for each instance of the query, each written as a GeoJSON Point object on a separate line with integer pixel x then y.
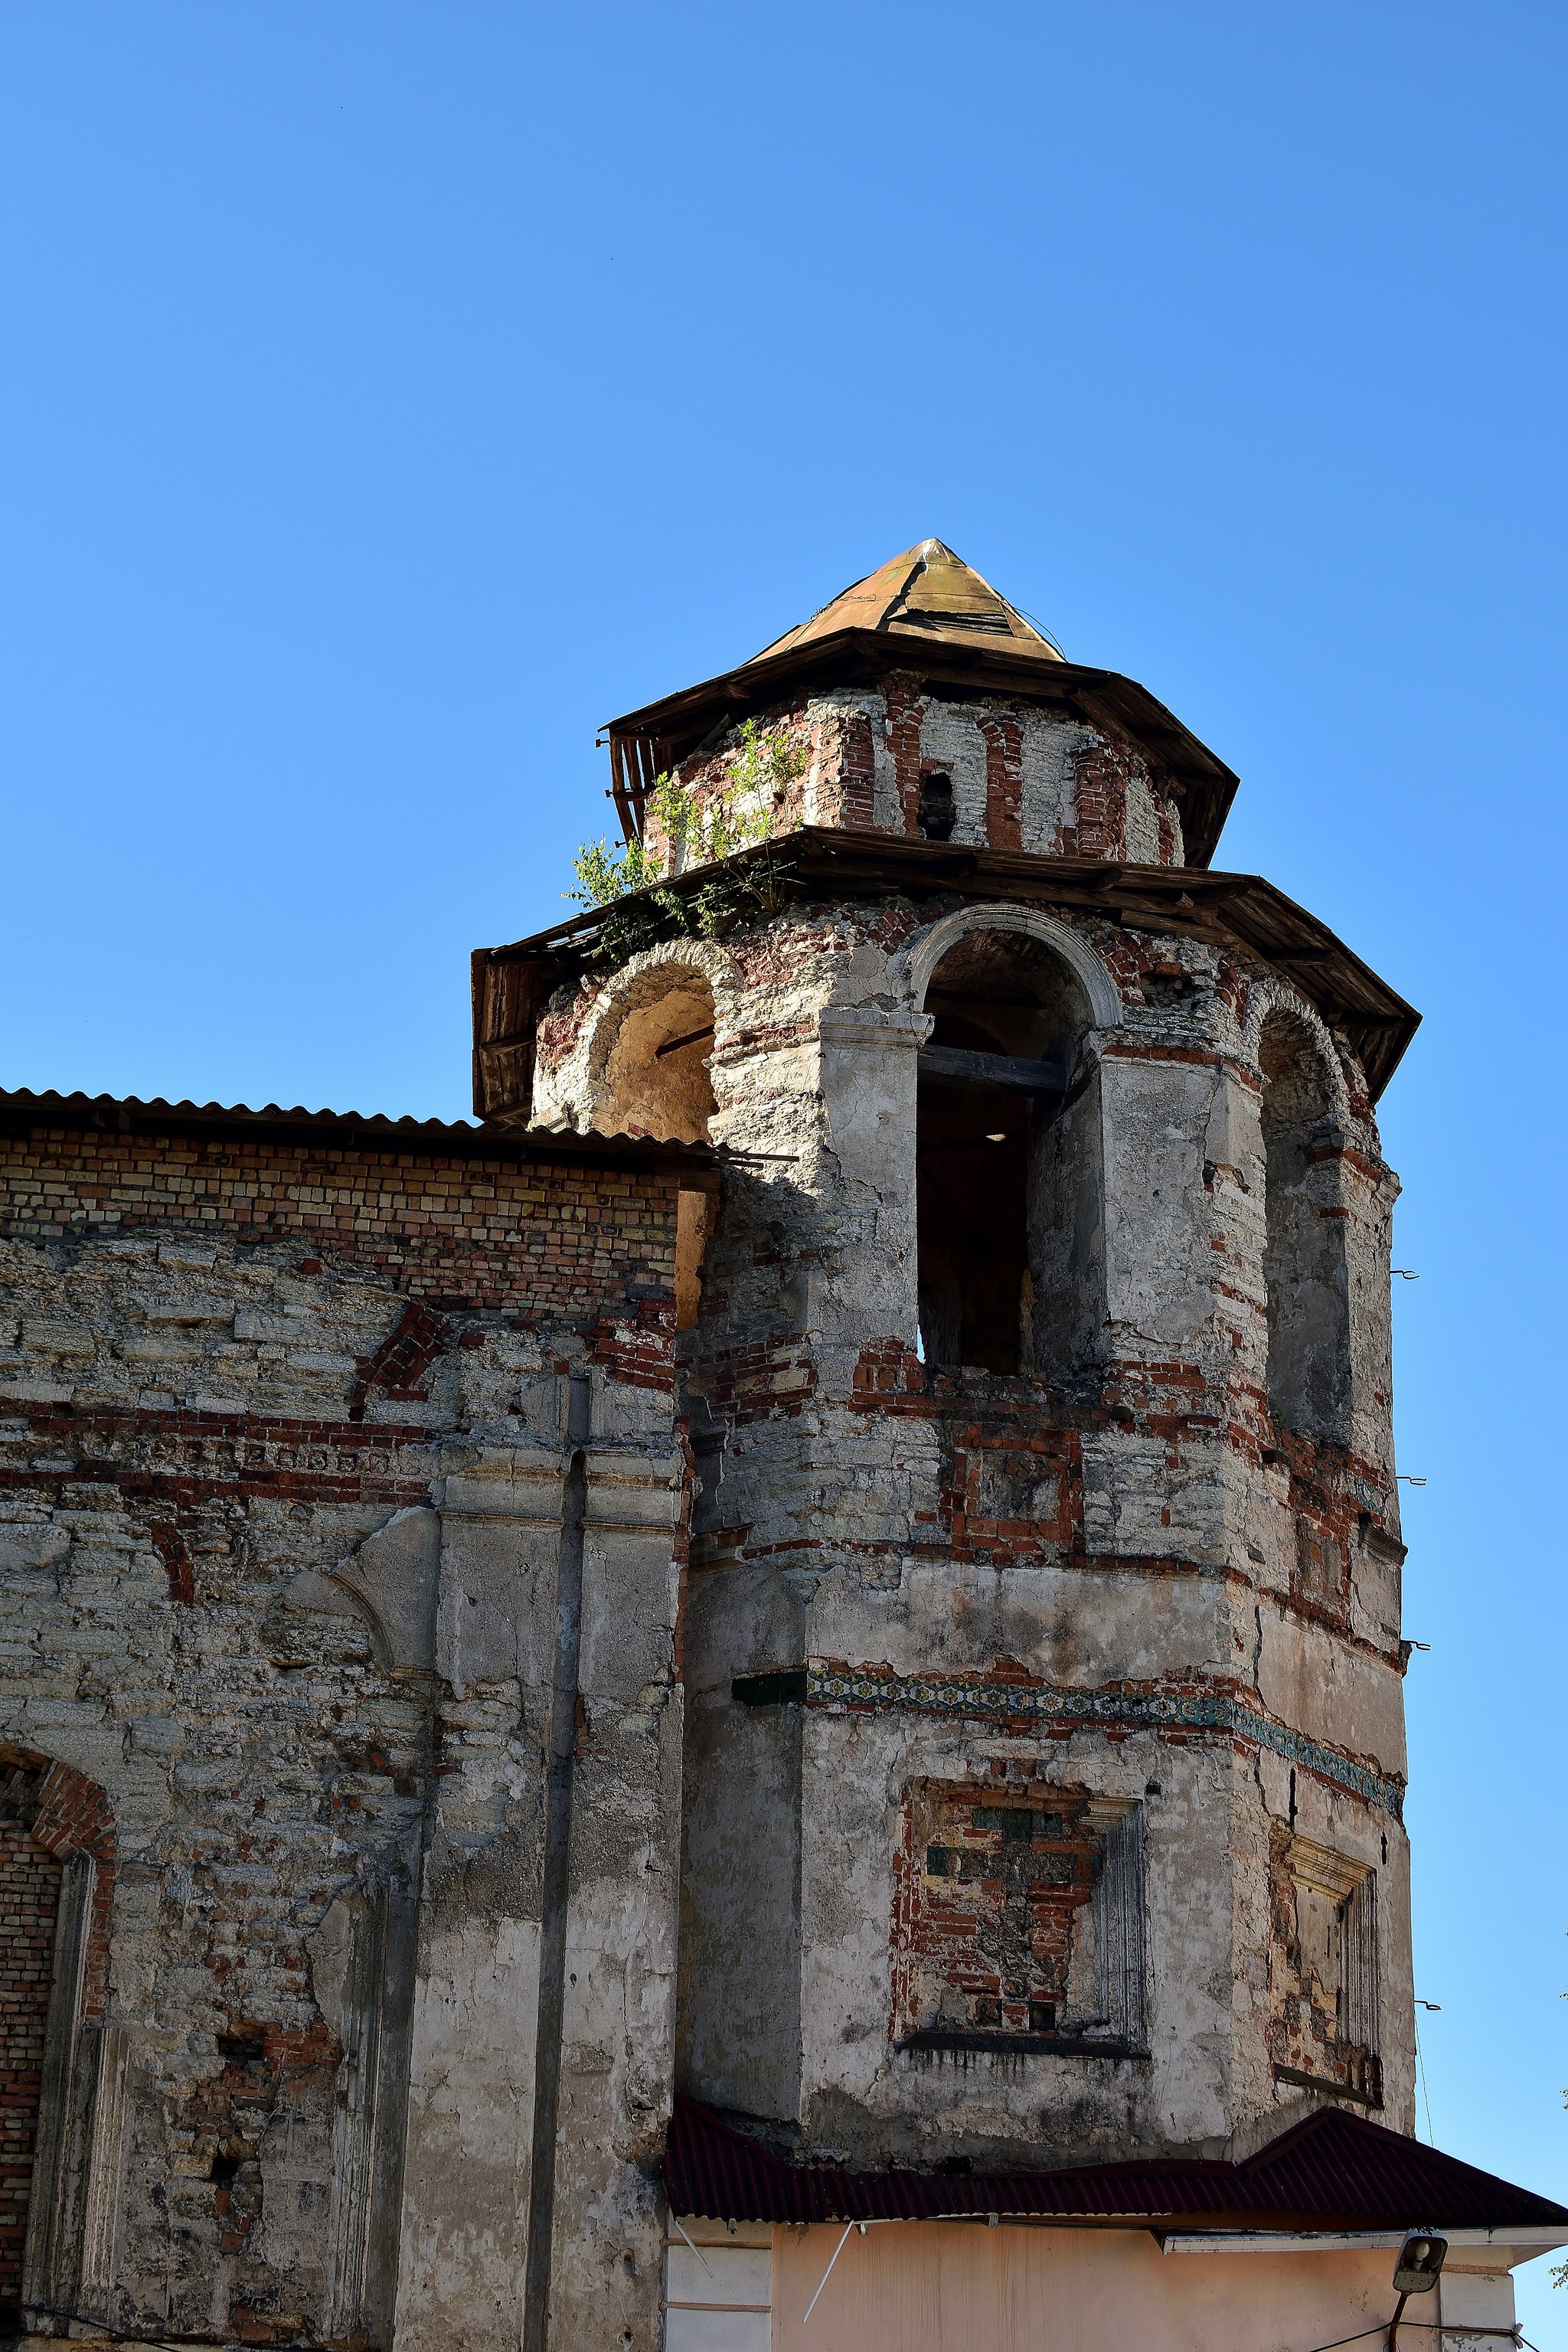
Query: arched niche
{"type": "Point", "coordinates": [653, 1055]}
{"type": "Point", "coordinates": [1008, 1166]}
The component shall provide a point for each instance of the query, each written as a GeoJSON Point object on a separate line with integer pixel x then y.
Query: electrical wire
{"type": "Point", "coordinates": [1425, 2326]}
{"type": "Point", "coordinates": [1426, 2095]}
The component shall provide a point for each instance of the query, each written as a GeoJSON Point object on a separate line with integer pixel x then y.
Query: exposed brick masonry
{"type": "Point", "coordinates": [856, 773]}
{"type": "Point", "coordinates": [904, 735]}
{"type": "Point", "coordinates": [29, 1899]}
{"type": "Point", "coordinates": [1003, 779]}
{"type": "Point", "coordinates": [484, 1234]}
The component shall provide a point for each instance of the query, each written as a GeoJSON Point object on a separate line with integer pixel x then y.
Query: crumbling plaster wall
{"type": "Point", "coordinates": [283, 1442]}
{"type": "Point", "coordinates": [1023, 777]}
{"type": "Point", "coordinates": [848, 1517]}
{"type": "Point", "coordinates": [468, 2192]}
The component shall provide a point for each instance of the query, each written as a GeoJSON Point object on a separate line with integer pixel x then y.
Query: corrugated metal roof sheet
{"type": "Point", "coordinates": [1331, 2171]}
{"type": "Point", "coordinates": [23, 1111]}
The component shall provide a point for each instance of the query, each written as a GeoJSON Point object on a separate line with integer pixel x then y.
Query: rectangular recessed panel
{"type": "Point", "coordinates": [734, 2274]}
{"type": "Point", "coordinates": [689, 2329]}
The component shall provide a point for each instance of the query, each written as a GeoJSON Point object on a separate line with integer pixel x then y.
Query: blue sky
{"type": "Point", "coordinates": [393, 394]}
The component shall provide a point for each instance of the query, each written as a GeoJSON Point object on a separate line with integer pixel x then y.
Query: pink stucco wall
{"type": "Point", "coordinates": [962, 2287]}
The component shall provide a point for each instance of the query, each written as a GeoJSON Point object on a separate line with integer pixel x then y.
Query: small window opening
{"type": "Point", "coordinates": [937, 815]}
{"type": "Point", "coordinates": [1007, 1194]}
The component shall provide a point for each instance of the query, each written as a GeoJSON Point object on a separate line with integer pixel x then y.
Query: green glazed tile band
{"type": "Point", "coordinates": [976, 1694]}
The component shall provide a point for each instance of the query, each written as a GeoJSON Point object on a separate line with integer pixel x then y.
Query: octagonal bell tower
{"type": "Point", "coordinates": [1041, 1633]}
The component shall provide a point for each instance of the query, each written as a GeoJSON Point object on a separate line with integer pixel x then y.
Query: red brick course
{"type": "Point", "coordinates": [762, 1379]}
{"type": "Point", "coordinates": [856, 775]}
{"type": "Point", "coordinates": [1102, 775]}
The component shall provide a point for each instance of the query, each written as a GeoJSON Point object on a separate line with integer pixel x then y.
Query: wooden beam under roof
{"type": "Point", "coordinates": [1226, 910]}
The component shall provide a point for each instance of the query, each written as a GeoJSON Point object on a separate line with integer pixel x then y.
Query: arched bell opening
{"type": "Point", "coordinates": [1006, 1160]}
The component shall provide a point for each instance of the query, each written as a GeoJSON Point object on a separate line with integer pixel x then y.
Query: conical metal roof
{"type": "Point", "coordinates": [929, 593]}
{"type": "Point", "coordinates": [929, 614]}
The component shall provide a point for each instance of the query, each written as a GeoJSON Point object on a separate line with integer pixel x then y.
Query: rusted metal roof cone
{"type": "Point", "coordinates": [927, 592]}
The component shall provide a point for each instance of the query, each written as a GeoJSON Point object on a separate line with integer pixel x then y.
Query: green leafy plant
{"type": "Point", "coordinates": [702, 826]}
{"type": "Point", "coordinates": [605, 873]}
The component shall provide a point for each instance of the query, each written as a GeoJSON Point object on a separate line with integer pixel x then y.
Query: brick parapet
{"type": "Point", "coordinates": [543, 1236]}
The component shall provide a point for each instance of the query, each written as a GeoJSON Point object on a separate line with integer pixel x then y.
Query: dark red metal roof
{"type": "Point", "coordinates": [1332, 2171]}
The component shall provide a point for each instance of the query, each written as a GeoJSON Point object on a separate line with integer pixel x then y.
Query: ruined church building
{"type": "Point", "coordinates": [757, 1702]}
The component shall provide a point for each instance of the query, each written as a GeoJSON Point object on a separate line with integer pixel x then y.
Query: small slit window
{"type": "Point", "coordinates": [937, 814]}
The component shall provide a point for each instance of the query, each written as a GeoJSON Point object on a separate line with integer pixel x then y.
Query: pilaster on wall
{"type": "Point", "coordinates": [867, 1074]}
{"type": "Point", "coordinates": [546, 1970]}
{"type": "Point", "coordinates": [363, 1959]}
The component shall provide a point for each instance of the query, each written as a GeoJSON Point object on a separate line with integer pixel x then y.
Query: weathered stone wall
{"type": "Point", "coordinates": [300, 1435]}
{"type": "Point", "coordinates": [1140, 1584]}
